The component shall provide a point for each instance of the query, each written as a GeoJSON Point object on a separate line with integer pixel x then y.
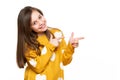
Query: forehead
{"type": "Point", "coordinates": [35, 14]}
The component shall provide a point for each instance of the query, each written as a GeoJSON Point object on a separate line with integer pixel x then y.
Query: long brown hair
{"type": "Point", "coordinates": [26, 34]}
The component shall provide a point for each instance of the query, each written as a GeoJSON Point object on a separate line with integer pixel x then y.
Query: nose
{"type": "Point", "coordinates": [41, 21]}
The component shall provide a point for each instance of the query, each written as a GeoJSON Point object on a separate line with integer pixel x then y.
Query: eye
{"type": "Point", "coordinates": [39, 16]}
{"type": "Point", "coordinates": [35, 22]}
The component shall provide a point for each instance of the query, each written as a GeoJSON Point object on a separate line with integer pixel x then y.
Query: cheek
{"type": "Point", "coordinates": [34, 28]}
{"type": "Point", "coordinates": [44, 20]}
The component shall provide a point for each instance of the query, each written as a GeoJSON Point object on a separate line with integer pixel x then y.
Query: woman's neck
{"type": "Point", "coordinates": [41, 34]}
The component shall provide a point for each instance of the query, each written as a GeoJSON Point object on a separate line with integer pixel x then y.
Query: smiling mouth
{"type": "Point", "coordinates": [42, 26]}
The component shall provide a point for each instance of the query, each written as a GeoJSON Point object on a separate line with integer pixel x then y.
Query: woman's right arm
{"type": "Point", "coordinates": [38, 63]}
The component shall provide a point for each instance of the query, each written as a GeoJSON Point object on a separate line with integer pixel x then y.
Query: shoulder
{"type": "Point", "coordinates": [51, 29]}
{"type": "Point", "coordinates": [56, 32]}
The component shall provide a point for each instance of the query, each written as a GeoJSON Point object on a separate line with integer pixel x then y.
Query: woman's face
{"type": "Point", "coordinates": [38, 22]}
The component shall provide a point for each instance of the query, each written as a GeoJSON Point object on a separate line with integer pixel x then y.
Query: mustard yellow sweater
{"type": "Point", "coordinates": [49, 65]}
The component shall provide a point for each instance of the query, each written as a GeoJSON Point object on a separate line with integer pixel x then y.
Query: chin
{"type": "Point", "coordinates": [45, 29]}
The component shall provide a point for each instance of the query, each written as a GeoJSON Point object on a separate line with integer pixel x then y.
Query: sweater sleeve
{"type": "Point", "coordinates": [67, 52]}
{"type": "Point", "coordinates": [39, 62]}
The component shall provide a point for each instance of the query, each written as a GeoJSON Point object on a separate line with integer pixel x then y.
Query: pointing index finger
{"type": "Point", "coordinates": [80, 38]}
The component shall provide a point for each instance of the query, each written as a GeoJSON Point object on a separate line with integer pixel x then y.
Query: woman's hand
{"type": "Point", "coordinates": [75, 41]}
{"type": "Point", "coordinates": [55, 41]}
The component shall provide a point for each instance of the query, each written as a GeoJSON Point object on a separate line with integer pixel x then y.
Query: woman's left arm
{"type": "Point", "coordinates": [68, 50]}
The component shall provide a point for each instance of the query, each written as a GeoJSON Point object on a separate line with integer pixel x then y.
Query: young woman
{"type": "Point", "coordinates": [43, 48]}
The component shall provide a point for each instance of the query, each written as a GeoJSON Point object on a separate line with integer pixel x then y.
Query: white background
{"type": "Point", "coordinates": [98, 56]}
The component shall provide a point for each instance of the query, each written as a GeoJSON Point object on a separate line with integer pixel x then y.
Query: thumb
{"type": "Point", "coordinates": [72, 35]}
